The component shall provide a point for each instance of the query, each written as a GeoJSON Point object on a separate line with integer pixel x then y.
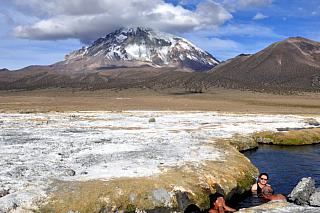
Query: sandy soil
{"type": "Point", "coordinates": [215, 100]}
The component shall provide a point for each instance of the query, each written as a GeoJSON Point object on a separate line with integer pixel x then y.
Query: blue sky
{"type": "Point", "coordinates": [43, 31]}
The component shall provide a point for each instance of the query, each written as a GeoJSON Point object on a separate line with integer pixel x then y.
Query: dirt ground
{"type": "Point", "coordinates": [221, 100]}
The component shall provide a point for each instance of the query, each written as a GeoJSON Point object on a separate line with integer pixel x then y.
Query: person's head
{"type": "Point", "coordinates": [267, 191]}
{"type": "Point", "coordinates": [192, 208]}
{"type": "Point", "coordinates": [263, 178]}
{"type": "Point", "coordinates": [214, 197]}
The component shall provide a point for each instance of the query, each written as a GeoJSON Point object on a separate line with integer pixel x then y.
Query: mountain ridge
{"type": "Point", "coordinates": [292, 63]}
{"type": "Point", "coordinates": [142, 46]}
{"type": "Point", "coordinates": [289, 65]}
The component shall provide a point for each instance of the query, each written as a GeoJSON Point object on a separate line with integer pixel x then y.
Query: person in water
{"type": "Point", "coordinates": [267, 193]}
{"type": "Point", "coordinates": [260, 184]}
{"type": "Point", "coordinates": [264, 190]}
{"type": "Point", "coordinates": [219, 204]}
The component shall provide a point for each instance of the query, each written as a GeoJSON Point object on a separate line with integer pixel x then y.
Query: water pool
{"type": "Point", "coordinates": [286, 165]}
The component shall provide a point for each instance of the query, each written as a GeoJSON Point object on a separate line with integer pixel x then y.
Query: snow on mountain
{"type": "Point", "coordinates": [143, 46]}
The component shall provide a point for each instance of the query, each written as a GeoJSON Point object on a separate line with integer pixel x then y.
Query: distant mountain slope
{"type": "Point", "coordinates": [140, 46]}
{"type": "Point", "coordinates": [290, 64]}
{"type": "Point", "coordinates": [122, 59]}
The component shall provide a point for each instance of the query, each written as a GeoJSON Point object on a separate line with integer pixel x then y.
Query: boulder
{"type": "Point", "coordinates": [301, 193]}
{"type": "Point", "coordinates": [152, 120]}
{"type": "Point", "coordinates": [70, 172]}
{"type": "Point", "coordinates": [242, 142]}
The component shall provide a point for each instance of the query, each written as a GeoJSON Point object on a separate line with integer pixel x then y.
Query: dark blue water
{"type": "Point", "coordinates": [286, 165]}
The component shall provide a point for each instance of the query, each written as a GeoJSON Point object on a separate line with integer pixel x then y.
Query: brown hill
{"type": "Point", "coordinates": [289, 65]}
{"type": "Point", "coordinates": [292, 64]}
{"type": "Point", "coordinates": [41, 77]}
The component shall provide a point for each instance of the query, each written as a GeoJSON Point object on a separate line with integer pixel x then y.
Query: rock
{"type": "Point", "coordinates": [23, 201]}
{"type": "Point", "coordinates": [169, 191]}
{"type": "Point", "coordinates": [183, 200]}
{"type": "Point", "coordinates": [315, 198]}
{"type": "Point", "coordinates": [152, 120]}
{"type": "Point", "coordinates": [4, 192]}
{"type": "Point", "coordinates": [280, 207]}
{"type": "Point", "coordinates": [18, 171]}
{"type": "Point", "coordinates": [161, 197]}
{"type": "Point", "coordinates": [312, 121]}
{"type": "Point", "coordinates": [285, 129]}
{"type": "Point", "coordinates": [264, 137]}
{"type": "Point", "coordinates": [70, 172]}
{"type": "Point", "coordinates": [302, 191]}
{"type": "Point", "coordinates": [242, 143]}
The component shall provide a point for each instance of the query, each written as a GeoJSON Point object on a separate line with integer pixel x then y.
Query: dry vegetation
{"type": "Point", "coordinates": [293, 137]}
{"type": "Point", "coordinates": [222, 100]}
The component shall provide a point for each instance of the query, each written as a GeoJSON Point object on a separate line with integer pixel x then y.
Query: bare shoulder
{"type": "Point", "coordinates": [254, 187]}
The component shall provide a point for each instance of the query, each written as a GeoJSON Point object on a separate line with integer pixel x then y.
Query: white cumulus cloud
{"type": "Point", "coordinates": [88, 20]}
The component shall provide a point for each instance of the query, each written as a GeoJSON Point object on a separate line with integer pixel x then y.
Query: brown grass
{"type": "Point", "coordinates": [214, 100]}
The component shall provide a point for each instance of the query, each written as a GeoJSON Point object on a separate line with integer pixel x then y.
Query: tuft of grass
{"type": "Point", "coordinates": [293, 137]}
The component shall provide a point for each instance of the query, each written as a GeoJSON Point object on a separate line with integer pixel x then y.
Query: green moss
{"type": "Point", "coordinates": [45, 209]}
{"type": "Point", "coordinates": [246, 182]}
{"type": "Point", "coordinates": [290, 141]}
{"type": "Point", "coordinates": [293, 137]}
{"type": "Point", "coordinates": [203, 200]}
{"type": "Point", "coordinates": [130, 208]}
{"type": "Point", "coordinates": [270, 137]}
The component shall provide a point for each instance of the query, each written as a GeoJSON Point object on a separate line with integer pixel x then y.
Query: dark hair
{"type": "Point", "coordinates": [192, 208]}
{"type": "Point", "coordinates": [265, 174]}
{"type": "Point", "coordinates": [214, 197]}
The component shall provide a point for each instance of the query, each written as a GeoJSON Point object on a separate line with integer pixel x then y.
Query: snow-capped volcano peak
{"type": "Point", "coordinates": [139, 46]}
